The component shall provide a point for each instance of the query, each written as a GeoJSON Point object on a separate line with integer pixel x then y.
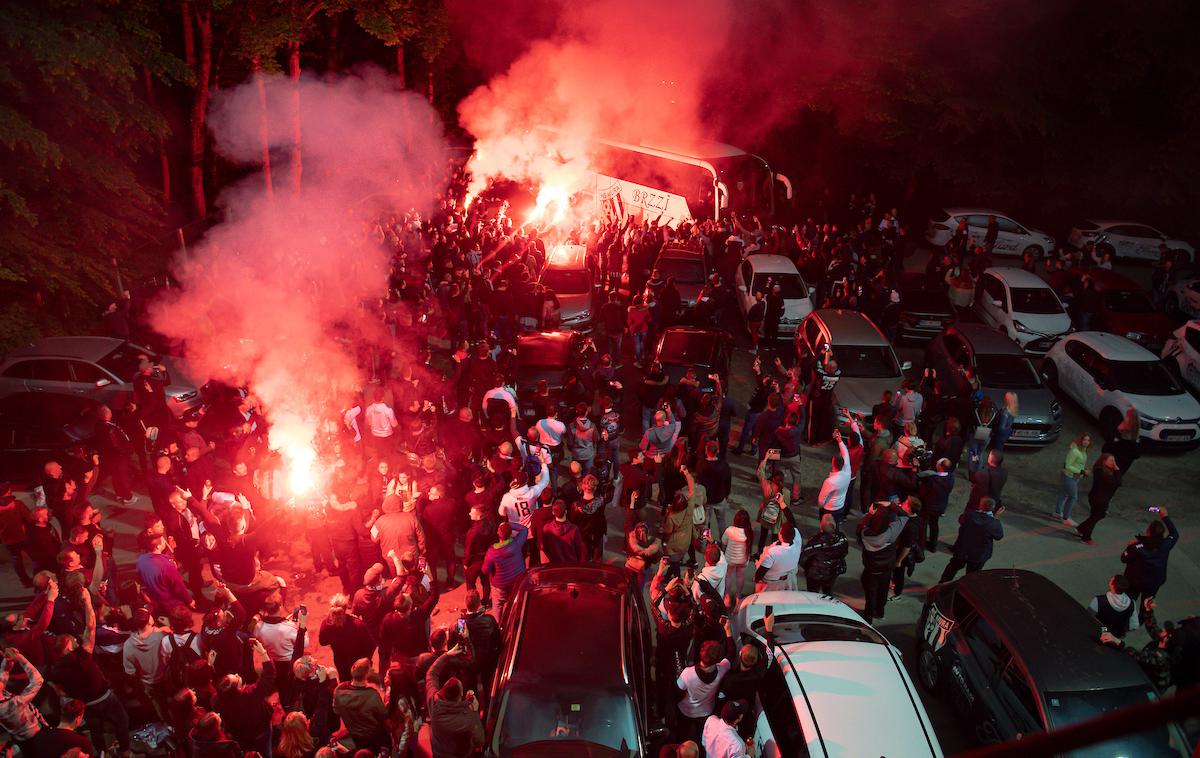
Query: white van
{"type": "Point", "coordinates": [829, 671]}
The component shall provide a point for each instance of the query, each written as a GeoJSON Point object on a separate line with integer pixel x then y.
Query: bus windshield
{"type": "Point", "coordinates": [750, 182]}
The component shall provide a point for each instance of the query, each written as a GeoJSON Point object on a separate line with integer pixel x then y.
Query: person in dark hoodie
{"type": "Point", "coordinates": [361, 707]}
{"type": "Point", "coordinates": [877, 533]}
{"type": "Point", "coordinates": [455, 729]}
{"type": "Point", "coordinates": [244, 709]}
{"type": "Point", "coordinates": [934, 488]}
{"type": "Point", "coordinates": [823, 557]}
{"type": "Point", "coordinates": [978, 530]}
{"type": "Point", "coordinates": [1115, 609]}
{"type": "Point", "coordinates": [1145, 559]}
{"type": "Point", "coordinates": [582, 439]}
{"type": "Point", "coordinates": [561, 540]}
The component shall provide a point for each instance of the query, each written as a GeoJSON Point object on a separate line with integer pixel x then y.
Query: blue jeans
{"type": "Point", "coordinates": [1070, 494]}
{"type": "Point", "coordinates": [977, 454]}
{"type": "Point", "coordinates": [639, 342]}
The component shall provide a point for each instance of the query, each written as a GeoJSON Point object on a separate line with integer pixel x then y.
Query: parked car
{"type": "Point", "coordinates": [1013, 238]}
{"type": "Point", "coordinates": [1001, 366]}
{"type": "Point", "coordinates": [567, 274]}
{"type": "Point", "coordinates": [542, 356]}
{"type": "Point", "coordinates": [1184, 348]}
{"type": "Point", "coordinates": [707, 351]}
{"type": "Point", "coordinates": [1129, 240]}
{"type": "Point", "coordinates": [1183, 299]}
{"type": "Point", "coordinates": [830, 667]}
{"type": "Point", "coordinates": [582, 691]}
{"type": "Point", "coordinates": [689, 270]}
{"type": "Point", "coordinates": [1017, 655]}
{"type": "Point", "coordinates": [864, 356]}
{"type": "Point", "coordinates": [1124, 307]}
{"type": "Point", "coordinates": [1022, 306]}
{"type": "Point", "coordinates": [36, 427]}
{"type": "Point", "coordinates": [759, 273]}
{"type": "Point", "coordinates": [924, 312]}
{"type": "Point", "coordinates": [98, 368]}
{"type": "Point", "coordinates": [1107, 374]}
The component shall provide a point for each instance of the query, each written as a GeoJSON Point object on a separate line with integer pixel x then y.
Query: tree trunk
{"type": "Point", "coordinates": [331, 54]}
{"type": "Point", "coordinates": [201, 63]}
{"type": "Point", "coordinates": [163, 159]}
{"type": "Point", "coordinates": [294, 73]}
{"type": "Point", "coordinates": [264, 133]}
{"type": "Point", "coordinates": [400, 66]}
{"type": "Point", "coordinates": [429, 85]}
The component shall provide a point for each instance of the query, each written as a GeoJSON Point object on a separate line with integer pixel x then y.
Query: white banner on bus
{"type": "Point", "coordinates": [622, 198]}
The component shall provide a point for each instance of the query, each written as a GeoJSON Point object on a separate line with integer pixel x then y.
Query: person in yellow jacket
{"type": "Point", "coordinates": [1074, 468]}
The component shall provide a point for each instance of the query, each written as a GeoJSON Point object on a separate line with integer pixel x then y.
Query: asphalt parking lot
{"type": "Point", "coordinates": [1034, 539]}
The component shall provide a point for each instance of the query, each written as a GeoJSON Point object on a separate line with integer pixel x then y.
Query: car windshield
{"type": "Point", "coordinates": [1144, 378]}
{"type": "Point", "coordinates": [1035, 300]}
{"type": "Point", "coordinates": [801, 627]}
{"type": "Point", "coordinates": [1009, 372]}
{"type": "Point", "coordinates": [866, 361]}
{"type": "Point", "coordinates": [1127, 301]}
{"type": "Point", "coordinates": [123, 362]}
{"type": "Point", "coordinates": [1065, 708]}
{"type": "Point", "coordinates": [682, 270]}
{"type": "Point", "coordinates": [542, 355]}
{"type": "Point", "coordinates": [565, 281]}
{"type": "Point", "coordinates": [535, 718]}
{"type": "Point", "coordinates": [791, 286]}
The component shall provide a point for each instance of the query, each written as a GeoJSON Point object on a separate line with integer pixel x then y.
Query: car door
{"type": "Point", "coordinates": [1074, 375]}
{"type": "Point", "coordinates": [983, 657]}
{"type": "Point", "coordinates": [977, 227]}
{"type": "Point", "coordinates": [994, 303]}
{"type": "Point", "coordinates": [91, 380]}
{"type": "Point", "coordinates": [1123, 239]}
{"type": "Point", "coordinates": [1014, 691]}
{"type": "Point", "coordinates": [51, 375]}
{"type": "Point", "coordinates": [1012, 238]}
{"type": "Point", "coordinates": [778, 732]}
{"type": "Point", "coordinates": [1145, 241]}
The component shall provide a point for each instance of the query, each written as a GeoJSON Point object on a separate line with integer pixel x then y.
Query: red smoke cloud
{"type": "Point", "coordinates": [269, 297]}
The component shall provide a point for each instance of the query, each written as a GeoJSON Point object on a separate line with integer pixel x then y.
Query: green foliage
{"type": "Point", "coordinates": [73, 125]}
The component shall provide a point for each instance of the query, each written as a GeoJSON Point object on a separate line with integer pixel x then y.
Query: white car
{"type": "Point", "coordinates": [1013, 238]}
{"type": "Point", "coordinates": [1023, 306]}
{"type": "Point", "coordinates": [827, 672]}
{"type": "Point", "coordinates": [1184, 298]}
{"type": "Point", "coordinates": [1129, 239]}
{"type": "Point", "coordinates": [759, 273]}
{"type": "Point", "coordinates": [1183, 347]}
{"type": "Point", "coordinates": [1107, 374]}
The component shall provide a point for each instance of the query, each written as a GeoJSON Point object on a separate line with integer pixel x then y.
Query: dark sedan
{"type": "Point", "coordinates": [36, 427]}
{"type": "Point", "coordinates": [706, 351]}
{"type": "Point", "coordinates": [924, 311]}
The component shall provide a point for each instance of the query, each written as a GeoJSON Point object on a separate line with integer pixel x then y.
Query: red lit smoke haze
{"type": "Point", "coordinates": [268, 297]}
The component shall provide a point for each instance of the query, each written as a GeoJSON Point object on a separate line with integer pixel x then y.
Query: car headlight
{"type": "Point", "coordinates": [1148, 422]}
{"type": "Point", "coordinates": [1135, 336]}
{"type": "Point", "coordinates": [1020, 327]}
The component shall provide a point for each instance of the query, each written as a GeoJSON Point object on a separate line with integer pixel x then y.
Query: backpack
{"type": "Point", "coordinates": [181, 658]}
{"type": "Point", "coordinates": [532, 465]}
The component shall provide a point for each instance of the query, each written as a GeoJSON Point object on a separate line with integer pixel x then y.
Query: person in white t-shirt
{"type": "Point", "coordinates": [832, 499]}
{"type": "Point", "coordinates": [699, 685]}
{"type": "Point", "coordinates": [721, 739]}
{"type": "Point", "coordinates": [521, 500]}
{"type": "Point", "coordinates": [381, 425]}
{"type": "Point", "coordinates": [777, 566]}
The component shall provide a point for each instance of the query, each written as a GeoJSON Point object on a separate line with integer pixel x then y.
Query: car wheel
{"type": "Point", "coordinates": [1037, 251]}
{"type": "Point", "coordinates": [929, 669]}
{"type": "Point", "coordinates": [1050, 375]}
{"type": "Point", "coordinates": [1110, 419]}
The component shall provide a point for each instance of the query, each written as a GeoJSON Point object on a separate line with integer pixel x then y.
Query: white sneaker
{"type": "Point", "coordinates": [1069, 522]}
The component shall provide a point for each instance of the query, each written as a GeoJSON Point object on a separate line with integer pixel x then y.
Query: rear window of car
{"type": "Point", "coordinates": [682, 270]}
{"type": "Point", "coordinates": [567, 281]}
{"type": "Point", "coordinates": [790, 628]}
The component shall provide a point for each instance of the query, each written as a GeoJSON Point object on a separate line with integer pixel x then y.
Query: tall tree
{"type": "Point", "coordinates": [74, 123]}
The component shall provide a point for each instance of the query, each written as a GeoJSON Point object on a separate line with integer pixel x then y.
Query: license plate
{"type": "Point", "coordinates": [1025, 433]}
{"type": "Point", "coordinates": [928, 323]}
{"type": "Point", "coordinates": [1178, 434]}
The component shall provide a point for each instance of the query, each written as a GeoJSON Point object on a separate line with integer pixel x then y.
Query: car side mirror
{"type": "Point", "coordinates": [102, 383]}
{"type": "Point", "coordinates": [997, 303]}
{"type": "Point", "coordinates": [906, 366]}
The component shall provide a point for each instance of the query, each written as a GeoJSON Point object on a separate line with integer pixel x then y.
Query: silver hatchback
{"type": "Point", "coordinates": [99, 368]}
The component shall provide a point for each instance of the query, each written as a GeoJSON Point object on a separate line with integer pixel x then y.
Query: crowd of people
{"type": "Point", "coordinates": [434, 474]}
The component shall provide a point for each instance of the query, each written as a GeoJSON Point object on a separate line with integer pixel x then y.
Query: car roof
{"type": "Point", "coordinates": [772, 264]}
{"type": "Point", "coordinates": [86, 348]}
{"type": "Point", "coordinates": [1106, 222]}
{"type": "Point", "coordinates": [1050, 631]}
{"type": "Point", "coordinates": [678, 250]}
{"type": "Point", "coordinates": [1108, 280]}
{"type": "Point", "coordinates": [850, 327]}
{"type": "Point", "coordinates": [1114, 346]}
{"type": "Point", "coordinates": [689, 346]}
{"type": "Point", "coordinates": [1017, 277]}
{"type": "Point", "coordinates": [986, 340]}
{"type": "Point", "coordinates": [754, 607]}
{"type": "Point", "coordinates": [592, 600]}
{"type": "Point", "coordinates": [975, 212]}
